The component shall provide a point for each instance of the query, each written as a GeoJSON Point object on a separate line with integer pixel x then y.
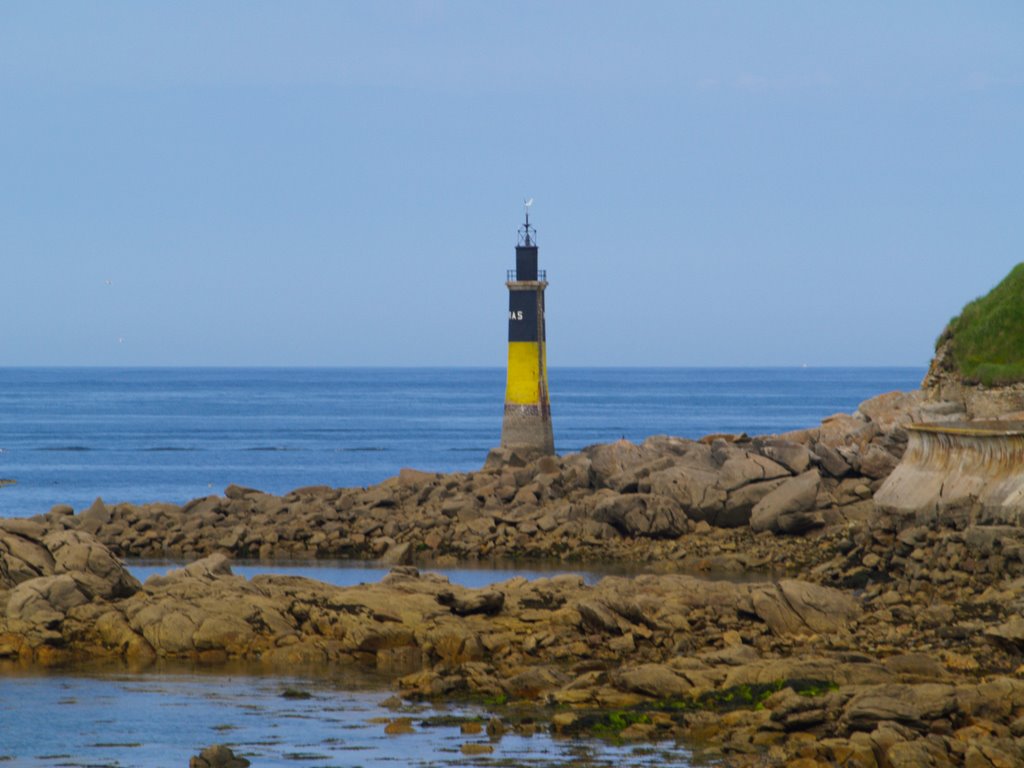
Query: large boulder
{"type": "Point", "coordinates": [638, 514]}
{"type": "Point", "coordinates": [21, 557]}
{"type": "Point", "coordinates": [792, 455]}
{"type": "Point", "coordinates": [912, 706]}
{"type": "Point", "coordinates": [611, 459]}
{"type": "Point", "coordinates": [95, 517]}
{"type": "Point", "coordinates": [794, 607]}
{"type": "Point", "coordinates": [876, 462]}
{"type": "Point", "coordinates": [741, 468]}
{"type": "Point", "coordinates": [51, 573]}
{"type": "Point", "coordinates": [655, 680]}
{"type": "Point", "coordinates": [91, 564]}
{"type": "Point", "coordinates": [45, 601]}
{"type": "Point", "coordinates": [790, 508]}
{"type": "Point", "coordinates": [892, 410]}
{"type": "Point", "coordinates": [204, 569]}
{"type": "Point", "coordinates": [741, 502]}
{"type": "Point", "coordinates": [692, 485]}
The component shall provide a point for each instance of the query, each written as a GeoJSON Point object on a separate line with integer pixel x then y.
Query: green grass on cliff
{"type": "Point", "coordinates": [988, 335]}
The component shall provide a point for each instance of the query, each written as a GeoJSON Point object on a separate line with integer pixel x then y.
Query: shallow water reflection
{"type": "Point", "coordinates": [347, 573]}
{"type": "Point", "coordinates": [162, 718]}
{"type": "Point", "coordinates": [106, 716]}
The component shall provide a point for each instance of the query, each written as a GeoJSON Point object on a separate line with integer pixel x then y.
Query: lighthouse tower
{"type": "Point", "coordinates": [527, 422]}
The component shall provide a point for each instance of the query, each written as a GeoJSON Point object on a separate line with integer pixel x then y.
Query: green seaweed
{"type": "Point", "coordinates": [813, 688]}
{"type": "Point", "coordinates": [449, 721]}
{"type": "Point", "coordinates": [610, 724]}
{"type": "Point", "coordinates": [743, 696]}
{"type": "Point", "coordinates": [614, 722]}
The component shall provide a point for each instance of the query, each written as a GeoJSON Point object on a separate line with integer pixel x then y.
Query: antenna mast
{"type": "Point", "coordinates": [528, 234]}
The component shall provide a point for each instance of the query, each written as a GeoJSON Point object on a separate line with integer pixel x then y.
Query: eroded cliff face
{"type": "Point", "coordinates": [944, 386]}
{"type": "Point", "coordinates": [959, 473]}
{"type": "Point", "coordinates": [965, 465]}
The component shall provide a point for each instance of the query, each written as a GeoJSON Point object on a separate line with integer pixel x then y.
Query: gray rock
{"type": "Point", "coordinates": [95, 517]}
{"type": "Point", "coordinates": [791, 455]}
{"type": "Point", "coordinates": [738, 506]}
{"type": "Point", "coordinates": [1010, 632]}
{"type": "Point", "coordinates": [891, 409]}
{"type": "Point", "coordinates": [596, 615]}
{"type": "Point", "coordinates": [46, 600]}
{"type": "Point", "coordinates": [692, 483]}
{"type": "Point", "coordinates": [612, 459]}
{"type": "Point", "coordinates": [830, 460]}
{"type": "Point", "coordinates": [91, 563]}
{"type": "Point", "coordinates": [484, 601]}
{"type": "Point", "coordinates": [22, 559]}
{"type": "Point", "coordinates": [912, 706]}
{"type": "Point", "coordinates": [742, 468]}
{"type": "Point", "coordinates": [655, 680]}
{"type": "Point", "coordinates": [239, 492]}
{"type": "Point", "coordinates": [58, 511]}
{"type": "Point", "coordinates": [637, 514]}
{"type": "Point", "coordinates": [398, 554]}
{"type": "Point", "coordinates": [207, 568]}
{"type": "Point", "coordinates": [876, 462]}
{"type": "Point", "coordinates": [799, 522]}
{"type": "Point", "coordinates": [794, 607]}
{"type": "Point", "coordinates": [27, 529]}
{"type": "Point", "coordinates": [499, 458]}
{"type": "Point", "coordinates": [217, 756]}
{"type": "Point", "coordinates": [916, 667]}
{"type": "Point", "coordinates": [783, 509]}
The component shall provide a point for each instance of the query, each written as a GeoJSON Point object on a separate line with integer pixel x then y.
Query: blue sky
{"type": "Point", "coordinates": [340, 183]}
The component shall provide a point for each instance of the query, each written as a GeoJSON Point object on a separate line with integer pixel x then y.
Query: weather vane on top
{"type": "Point", "coordinates": [525, 234]}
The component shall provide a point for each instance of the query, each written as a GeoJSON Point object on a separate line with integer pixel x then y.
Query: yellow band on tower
{"type": "Point", "coordinates": [526, 369]}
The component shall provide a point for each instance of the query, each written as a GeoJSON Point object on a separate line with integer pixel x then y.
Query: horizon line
{"type": "Point", "coordinates": [458, 367]}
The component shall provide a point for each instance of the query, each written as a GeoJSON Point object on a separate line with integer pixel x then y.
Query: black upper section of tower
{"type": "Point", "coordinates": [526, 251]}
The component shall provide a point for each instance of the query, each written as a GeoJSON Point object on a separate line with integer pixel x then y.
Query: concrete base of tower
{"type": "Point", "coordinates": [527, 428]}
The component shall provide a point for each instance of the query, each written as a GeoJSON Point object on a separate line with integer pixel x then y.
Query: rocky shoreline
{"type": "Point", "coordinates": [875, 640]}
{"type": "Point", "coordinates": [618, 501]}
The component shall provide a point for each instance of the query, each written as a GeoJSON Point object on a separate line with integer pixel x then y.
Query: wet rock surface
{"type": "Point", "coordinates": [875, 642]}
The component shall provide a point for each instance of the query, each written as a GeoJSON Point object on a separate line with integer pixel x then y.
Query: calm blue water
{"type": "Point", "coordinates": [68, 435]}
{"type": "Point", "coordinates": [348, 573]}
{"type": "Point", "coordinates": [161, 718]}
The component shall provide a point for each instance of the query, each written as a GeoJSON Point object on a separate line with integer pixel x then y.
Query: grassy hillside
{"type": "Point", "coordinates": [987, 337]}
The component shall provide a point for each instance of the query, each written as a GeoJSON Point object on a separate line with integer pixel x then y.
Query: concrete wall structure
{"type": "Point", "coordinates": [960, 472]}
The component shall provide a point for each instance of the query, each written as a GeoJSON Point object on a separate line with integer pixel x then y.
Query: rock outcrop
{"type": "Point", "coordinates": [620, 500]}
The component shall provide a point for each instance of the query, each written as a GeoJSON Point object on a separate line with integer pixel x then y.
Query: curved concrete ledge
{"type": "Point", "coordinates": [962, 472]}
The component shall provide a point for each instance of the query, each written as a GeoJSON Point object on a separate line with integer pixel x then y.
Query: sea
{"type": "Point", "coordinates": [71, 435]}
